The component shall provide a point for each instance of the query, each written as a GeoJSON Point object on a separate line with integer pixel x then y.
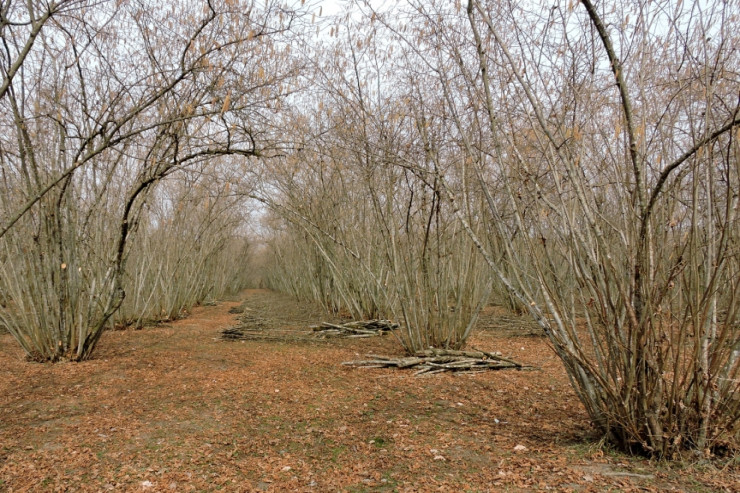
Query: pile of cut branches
{"type": "Point", "coordinates": [256, 328]}
{"type": "Point", "coordinates": [259, 334]}
{"type": "Point", "coordinates": [359, 328]}
{"type": "Point", "coordinates": [238, 310]}
{"type": "Point", "coordinates": [439, 360]}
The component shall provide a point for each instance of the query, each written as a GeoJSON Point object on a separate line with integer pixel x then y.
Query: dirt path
{"type": "Point", "coordinates": [174, 408]}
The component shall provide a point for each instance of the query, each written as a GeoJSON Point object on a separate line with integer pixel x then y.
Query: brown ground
{"type": "Point", "coordinates": [174, 408]}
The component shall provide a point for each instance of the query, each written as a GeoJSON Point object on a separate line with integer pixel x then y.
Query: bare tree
{"type": "Point", "coordinates": [191, 244]}
{"type": "Point", "coordinates": [604, 144]}
{"type": "Point", "coordinates": [590, 155]}
{"type": "Point", "coordinates": [375, 235]}
{"type": "Point", "coordinates": [107, 100]}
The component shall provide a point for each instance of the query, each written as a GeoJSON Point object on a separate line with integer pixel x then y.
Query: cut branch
{"type": "Point", "coordinates": [441, 360]}
{"type": "Point", "coordinates": [360, 328]}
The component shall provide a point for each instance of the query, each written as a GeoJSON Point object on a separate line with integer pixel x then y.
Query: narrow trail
{"type": "Point", "coordinates": [175, 408]}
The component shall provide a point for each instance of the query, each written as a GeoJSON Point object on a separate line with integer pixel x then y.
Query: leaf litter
{"type": "Point", "coordinates": [176, 408]}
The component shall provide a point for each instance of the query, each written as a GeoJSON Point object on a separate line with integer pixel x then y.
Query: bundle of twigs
{"type": "Point", "coordinates": [359, 328]}
{"type": "Point", "coordinates": [237, 310]}
{"type": "Point", "coordinates": [260, 334]}
{"type": "Point", "coordinates": [440, 360]}
{"type": "Point", "coordinates": [256, 328]}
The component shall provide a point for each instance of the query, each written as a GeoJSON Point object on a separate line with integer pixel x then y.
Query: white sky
{"type": "Point", "coordinates": [330, 7]}
{"type": "Point", "coordinates": [333, 7]}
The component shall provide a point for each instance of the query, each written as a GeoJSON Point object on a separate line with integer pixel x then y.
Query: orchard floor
{"type": "Point", "coordinates": [175, 408]}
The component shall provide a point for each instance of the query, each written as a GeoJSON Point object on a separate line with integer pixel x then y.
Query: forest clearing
{"type": "Point", "coordinates": [175, 408]}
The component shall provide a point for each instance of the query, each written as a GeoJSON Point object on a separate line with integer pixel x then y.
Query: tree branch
{"type": "Point", "coordinates": [624, 95]}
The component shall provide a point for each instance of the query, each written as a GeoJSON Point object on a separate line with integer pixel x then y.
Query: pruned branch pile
{"type": "Point", "coordinates": [256, 328]}
{"type": "Point", "coordinates": [258, 334]}
{"type": "Point", "coordinates": [359, 328]}
{"type": "Point", "coordinates": [440, 360]}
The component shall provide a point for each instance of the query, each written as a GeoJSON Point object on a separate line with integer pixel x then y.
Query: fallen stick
{"type": "Point", "coordinates": [255, 328]}
{"type": "Point", "coordinates": [358, 328]}
{"type": "Point", "coordinates": [440, 360]}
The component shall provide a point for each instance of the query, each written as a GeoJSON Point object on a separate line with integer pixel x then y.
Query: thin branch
{"type": "Point", "coordinates": [624, 95]}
